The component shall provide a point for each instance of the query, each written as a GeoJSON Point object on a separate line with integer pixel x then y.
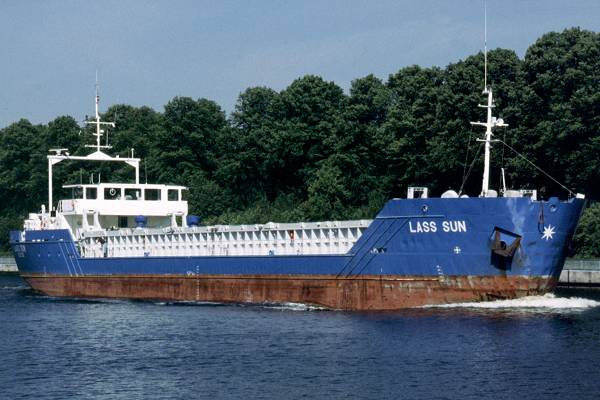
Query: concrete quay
{"type": "Point", "coordinates": [580, 273]}
{"type": "Point", "coordinates": [7, 264]}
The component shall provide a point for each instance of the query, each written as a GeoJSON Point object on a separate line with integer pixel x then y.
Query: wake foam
{"type": "Point", "coordinates": [286, 306]}
{"type": "Point", "coordinates": [290, 306]}
{"type": "Point", "coordinates": [185, 303]}
{"type": "Point", "coordinates": [548, 301]}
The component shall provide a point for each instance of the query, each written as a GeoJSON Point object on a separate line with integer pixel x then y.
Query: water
{"type": "Point", "coordinates": [533, 348]}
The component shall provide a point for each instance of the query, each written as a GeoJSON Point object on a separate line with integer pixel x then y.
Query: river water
{"type": "Point", "coordinates": [533, 348]}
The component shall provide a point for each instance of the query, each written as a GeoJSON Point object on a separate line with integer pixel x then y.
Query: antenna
{"type": "Point", "coordinates": [98, 122]}
{"type": "Point", "coordinates": [485, 87]}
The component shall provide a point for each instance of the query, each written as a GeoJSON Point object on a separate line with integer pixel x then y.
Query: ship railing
{"type": "Point", "coordinates": [145, 242]}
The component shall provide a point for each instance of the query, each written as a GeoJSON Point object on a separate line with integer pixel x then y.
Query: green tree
{"type": "Point", "coordinates": [586, 241]}
{"type": "Point", "coordinates": [23, 176]}
{"type": "Point", "coordinates": [188, 140]}
{"type": "Point", "coordinates": [561, 122]}
{"type": "Point", "coordinates": [326, 195]}
{"type": "Point", "coordinates": [242, 164]}
{"type": "Point", "coordinates": [302, 136]}
{"type": "Point", "coordinates": [358, 150]}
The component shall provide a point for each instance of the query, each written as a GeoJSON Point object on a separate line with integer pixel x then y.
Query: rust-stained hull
{"type": "Point", "coordinates": [355, 293]}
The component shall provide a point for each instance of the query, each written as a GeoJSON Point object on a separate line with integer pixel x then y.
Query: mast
{"type": "Point", "coordinates": [491, 122]}
{"type": "Point", "coordinates": [484, 47]}
{"type": "Point", "coordinates": [98, 155]}
{"type": "Point", "coordinates": [98, 122]}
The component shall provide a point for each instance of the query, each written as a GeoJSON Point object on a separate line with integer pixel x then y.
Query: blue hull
{"type": "Point", "coordinates": [429, 238]}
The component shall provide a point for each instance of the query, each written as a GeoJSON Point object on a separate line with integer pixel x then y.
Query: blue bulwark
{"type": "Point", "coordinates": [14, 236]}
{"type": "Point", "coordinates": [48, 235]}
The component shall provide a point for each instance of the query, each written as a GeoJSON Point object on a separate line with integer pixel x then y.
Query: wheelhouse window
{"type": "Point", "coordinates": [112, 193]}
{"type": "Point", "coordinates": [91, 193]}
{"type": "Point", "coordinates": [173, 195]}
{"type": "Point", "coordinates": [77, 193]}
{"type": "Point", "coordinates": [133, 194]}
{"type": "Point", "coordinates": [152, 194]}
{"type": "Point", "coordinates": [184, 194]}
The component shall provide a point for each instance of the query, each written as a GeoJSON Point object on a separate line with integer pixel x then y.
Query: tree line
{"type": "Point", "coordinates": [313, 152]}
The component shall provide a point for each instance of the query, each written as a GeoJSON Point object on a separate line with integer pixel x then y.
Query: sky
{"type": "Point", "coordinates": [147, 52]}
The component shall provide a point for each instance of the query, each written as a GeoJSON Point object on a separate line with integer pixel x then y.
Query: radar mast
{"type": "Point", "coordinates": [96, 121]}
{"type": "Point", "coordinates": [491, 122]}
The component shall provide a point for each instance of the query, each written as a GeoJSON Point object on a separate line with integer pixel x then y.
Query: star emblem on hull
{"type": "Point", "coordinates": [549, 232]}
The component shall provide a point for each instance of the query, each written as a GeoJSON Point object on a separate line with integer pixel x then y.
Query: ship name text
{"type": "Point", "coordinates": [433, 227]}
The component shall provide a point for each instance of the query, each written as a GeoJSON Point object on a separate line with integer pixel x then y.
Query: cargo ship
{"type": "Point", "coordinates": [137, 241]}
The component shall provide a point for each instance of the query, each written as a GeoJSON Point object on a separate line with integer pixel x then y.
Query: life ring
{"type": "Point", "coordinates": [112, 191]}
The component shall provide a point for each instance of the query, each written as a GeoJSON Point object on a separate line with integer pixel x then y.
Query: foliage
{"type": "Point", "coordinates": [587, 235]}
{"type": "Point", "coordinates": [312, 152]}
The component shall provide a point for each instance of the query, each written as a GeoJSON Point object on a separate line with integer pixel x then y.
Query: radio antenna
{"type": "Point", "coordinates": [485, 88]}
{"type": "Point", "coordinates": [98, 122]}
